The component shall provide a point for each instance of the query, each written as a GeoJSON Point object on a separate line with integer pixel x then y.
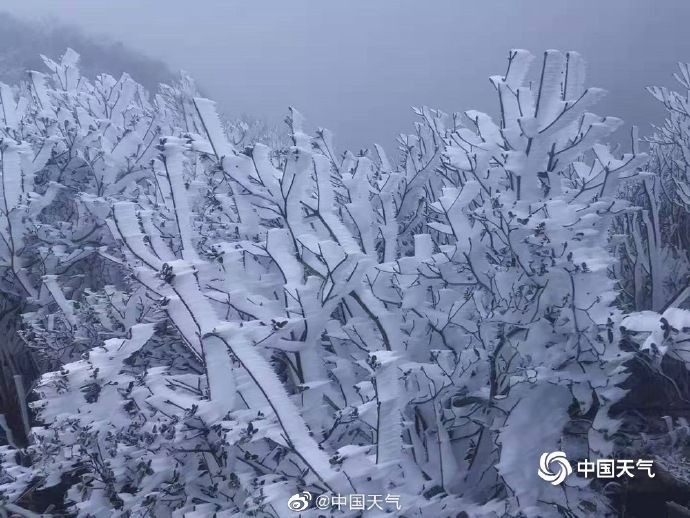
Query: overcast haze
{"type": "Point", "coordinates": [357, 66]}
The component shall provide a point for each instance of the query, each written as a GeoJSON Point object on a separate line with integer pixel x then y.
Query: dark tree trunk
{"type": "Point", "coordinates": [15, 360]}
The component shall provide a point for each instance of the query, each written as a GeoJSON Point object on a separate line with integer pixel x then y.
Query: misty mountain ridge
{"type": "Point", "coordinates": [23, 43]}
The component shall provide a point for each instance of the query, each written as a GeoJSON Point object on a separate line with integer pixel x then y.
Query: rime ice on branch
{"type": "Point", "coordinates": [290, 319]}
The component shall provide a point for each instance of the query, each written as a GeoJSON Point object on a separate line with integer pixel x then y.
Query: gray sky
{"type": "Point", "coordinates": [357, 66]}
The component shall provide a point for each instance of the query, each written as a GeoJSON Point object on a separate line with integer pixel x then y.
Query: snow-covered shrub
{"type": "Point", "coordinates": [516, 286]}
{"type": "Point", "coordinates": [655, 240]}
{"type": "Point", "coordinates": [58, 156]}
{"type": "Point", "coordinates": [653, 273]}
{"type": "Point", "coordinates": [653, 245]}
{"type": "Point", "coordinates": [298, 319]}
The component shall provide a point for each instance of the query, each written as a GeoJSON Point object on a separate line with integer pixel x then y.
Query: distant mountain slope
{"type": "Point", "coordinates": [22, 42]}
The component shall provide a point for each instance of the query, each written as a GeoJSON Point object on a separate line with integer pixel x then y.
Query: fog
{"type": "Point", "coordinates": [358, 66]}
